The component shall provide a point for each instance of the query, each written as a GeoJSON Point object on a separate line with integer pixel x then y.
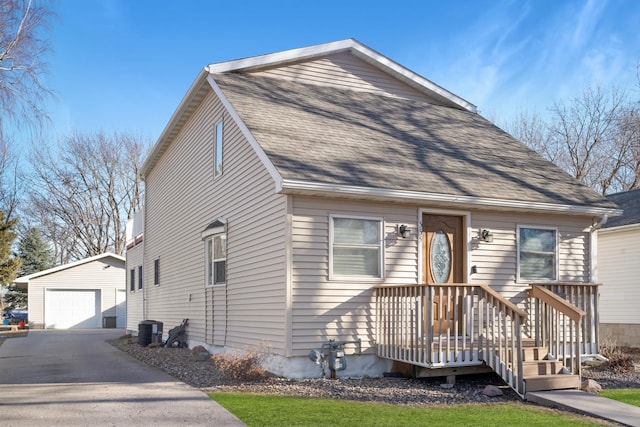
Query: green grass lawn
{"type": "Point", "coordinates": [264, 410]}
{"type": "Point", "coordinates": [626, 395]}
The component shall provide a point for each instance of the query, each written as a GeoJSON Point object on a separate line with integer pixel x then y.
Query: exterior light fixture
{"type": "Point", "coordinates": [486, 236]}
{"type": "Point", "coordinates": [403, 231]}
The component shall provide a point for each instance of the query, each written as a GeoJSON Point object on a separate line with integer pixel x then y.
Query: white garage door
{"type": "Point", "coordinates": [72, 308]}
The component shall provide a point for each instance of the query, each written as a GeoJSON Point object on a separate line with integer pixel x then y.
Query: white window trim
{"type": "Point", "coordinates": [380, 245]}
{"type": "Point", "coordinates": [209, 262]}
{"type": "Point", "coordinates": [156, 271]}
{"type": "Point", "coordinates": [216, 174]}
{"type": "Point", "coordinates": [557, 253]}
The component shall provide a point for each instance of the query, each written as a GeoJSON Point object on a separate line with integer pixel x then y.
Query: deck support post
{"type": "Point", "coordinates": [451, 382]}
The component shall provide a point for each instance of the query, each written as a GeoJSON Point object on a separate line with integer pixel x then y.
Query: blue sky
{"type": "Point", "coordinates": [124, 65]}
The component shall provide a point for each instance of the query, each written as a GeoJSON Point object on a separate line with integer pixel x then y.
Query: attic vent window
{"type": "Point", "coordinates": [217, 150]}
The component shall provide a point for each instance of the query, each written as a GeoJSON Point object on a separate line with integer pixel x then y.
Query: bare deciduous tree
{"type": "Point", "coordinates": [594, 137]}
{"type": "Point", "coordinates": [84, 193]}
{"type": "Point", "coordinates": [22, 59]}
{"type": "Point", "coordinates": [22, 92]}
{"type": "Point", "coordinates": [10, 182]}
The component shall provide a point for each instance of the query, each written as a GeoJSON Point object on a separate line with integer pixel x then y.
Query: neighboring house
{"type": "Point", "coordinates": [618, 254]}
{"type": "Point", "coordinates": [329, 193]}
{"type": "Point", "coordinates": [89, 293]}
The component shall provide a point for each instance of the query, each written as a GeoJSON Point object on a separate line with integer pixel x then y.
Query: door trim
{"type": "Point", "coordinates": [466, 226]}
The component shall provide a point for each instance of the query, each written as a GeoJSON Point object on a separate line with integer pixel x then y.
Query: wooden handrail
{"type": "Point", "coordinates": [576, 284]}
{"type": "Point", "coordinates": [555, 301]}
{"type": "Point", "coordinates": [523, 315]}
{"type": "Point", "coordinates": [443, 285]}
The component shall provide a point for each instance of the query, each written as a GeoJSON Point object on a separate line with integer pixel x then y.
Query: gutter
{"type": "Point", "coordinates": [381, 194]}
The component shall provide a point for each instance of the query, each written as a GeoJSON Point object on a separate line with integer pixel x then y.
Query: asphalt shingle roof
{"type": "Point", "coordinates": [629, 201]}
{"type": "Point", "coordinates": [336, 136]}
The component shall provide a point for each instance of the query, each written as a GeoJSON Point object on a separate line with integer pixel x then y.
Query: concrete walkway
{"type": "Point", "coordinates": [74, 378]}
{"type": "Point", "coordinates": [589, 404]}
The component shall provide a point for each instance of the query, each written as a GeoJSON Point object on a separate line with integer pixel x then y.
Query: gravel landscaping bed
{"type": "Point", "coordinates": [203, 374]}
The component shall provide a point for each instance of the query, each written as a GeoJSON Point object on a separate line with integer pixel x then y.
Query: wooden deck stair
{"type": "Point", "coordinates": [542, 372]}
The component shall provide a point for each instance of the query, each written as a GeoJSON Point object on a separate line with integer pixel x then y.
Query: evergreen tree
{"type": "Point", "coordinates": [35, 252]}
{"type": "Point", "coordinates": [9, 263]}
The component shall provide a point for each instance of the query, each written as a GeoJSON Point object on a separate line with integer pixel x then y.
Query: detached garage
{"type": "Point", "coordinates": [89, 293]}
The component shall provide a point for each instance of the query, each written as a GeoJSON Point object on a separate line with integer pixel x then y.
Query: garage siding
{"type": "Point", "coordinates": [106, 274]}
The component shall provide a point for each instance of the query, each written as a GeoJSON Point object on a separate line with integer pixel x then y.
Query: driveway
{"type": "Point", "coordinates": [74, 378]}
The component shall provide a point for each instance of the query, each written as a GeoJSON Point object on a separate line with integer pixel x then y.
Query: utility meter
{"type": "Point", "coordinates": [337, 361]}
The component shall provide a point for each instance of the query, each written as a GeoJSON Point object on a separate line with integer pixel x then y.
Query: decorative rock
{"type": "Point", "coordinates": [199, 353]}
{"type": "Point", "coordinates": [492, 391]}
{"type": "Point", "coordinates": [590, 386]}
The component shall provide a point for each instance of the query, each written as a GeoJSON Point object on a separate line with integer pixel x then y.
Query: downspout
{"type": "Point", "coordinates": [593, 244]}
{"type": "Point", "coordinates": [603, 220]}
{"type": "Point", "coordinates": [594, 277]}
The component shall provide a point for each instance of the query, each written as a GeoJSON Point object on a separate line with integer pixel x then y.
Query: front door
{"type": "Point", "coordinates": [444, 260]}
{"type": "Point", "coordinates": [443, 249]}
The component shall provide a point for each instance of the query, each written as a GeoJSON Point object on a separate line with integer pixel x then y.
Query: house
{"type": "Point", "coordinates": [618, 252]}
{"type": "Point", "coordinates": [326, 200]}
{"type": "Point", "coordinates": [89, 293]}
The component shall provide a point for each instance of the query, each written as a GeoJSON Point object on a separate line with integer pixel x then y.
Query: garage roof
{"type": "Point", "coordinates": [25, 279]}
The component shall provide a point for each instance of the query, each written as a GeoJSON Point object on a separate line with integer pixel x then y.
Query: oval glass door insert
{"type": "Point", "coordinates": [440, 257]}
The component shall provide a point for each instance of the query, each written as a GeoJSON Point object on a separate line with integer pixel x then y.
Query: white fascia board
{"type": "Point", "coordinates": [25, 279]}
{"type": "Point", "coordinates": [275, 175]}
{"type": "Point", "coordinates": [404, 73]}
{"type": "Point", "coordinates": [313, 188]}
{"type": "Point", "coordinates": [360, 50]}
{"type": "Point", "coordinates": [281, 57]}
{"type": "Point", "coordinates": [620, 228]}
{"type": "Point", "coordinates": [164, 139]}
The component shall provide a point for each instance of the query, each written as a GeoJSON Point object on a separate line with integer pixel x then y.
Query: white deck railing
{"type": "Point", "coordinates": [448, 325]}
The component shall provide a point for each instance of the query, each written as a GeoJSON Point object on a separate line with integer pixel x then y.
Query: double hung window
{"type": "Point", "coordinates": [216, 259]}
{"type": "Point", "coordinates": [356, 247]}
{"type": "Point", "coordinates": [537, 254]}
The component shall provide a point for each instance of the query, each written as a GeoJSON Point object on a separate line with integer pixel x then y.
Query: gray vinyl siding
{"type": "Point", "coordinates": [497, 261]}
{"type": "Point", "coordinates": [134, 299]}
{"type": "Point", "coordinates": [91, 275]}
{"type": "Point", "coordinates": [182, 198]}
{"type": "Point", "coordinates": [346, 71]}
{"type": "Point", "coordinates": [618, 253]}
{"type": "Point", "coordinates": [326, 309]}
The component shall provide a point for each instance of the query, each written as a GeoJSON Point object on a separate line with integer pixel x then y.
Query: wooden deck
{"type": "Point", "coordinates": [449, 326]}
